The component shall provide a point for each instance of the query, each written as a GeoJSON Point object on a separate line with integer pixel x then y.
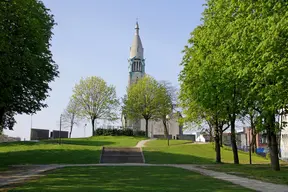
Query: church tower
{"type": "Point", "coordinates": [136, 59]}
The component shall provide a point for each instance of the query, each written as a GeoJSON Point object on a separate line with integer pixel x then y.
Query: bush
{"type": "Point", "coordinates": [139, 133]}
{"type": "Point", "coordinates": [118, 132]}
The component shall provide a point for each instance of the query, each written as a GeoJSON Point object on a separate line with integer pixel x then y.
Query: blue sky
{"type": "Point", "coordinates": [93, 39]}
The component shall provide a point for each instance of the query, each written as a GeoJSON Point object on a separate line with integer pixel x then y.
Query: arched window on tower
{"type": "Point", "coordinates": [140, 66]}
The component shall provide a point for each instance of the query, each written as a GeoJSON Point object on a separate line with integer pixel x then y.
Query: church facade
{"type": "Point", "coordinates": [136, 68]}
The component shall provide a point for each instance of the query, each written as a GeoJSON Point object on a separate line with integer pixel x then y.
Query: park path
{"type": "Point", "coordinates": [22, 173]}
{"type": "Point", "coordinates": [36, 170]}
{"type": "Point", "coordinates": [142, 143]}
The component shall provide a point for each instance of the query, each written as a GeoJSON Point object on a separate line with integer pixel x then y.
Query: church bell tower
{"type": "Point", "coordinates": [136, 59]}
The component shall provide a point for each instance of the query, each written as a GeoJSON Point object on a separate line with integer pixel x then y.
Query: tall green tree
{"type": "Point", "coordinates": [26, 64]}
{"type": "Point", "coordinates": [143, 100]}
{"type": "Point", "coordinates": [96, 100]}
{"type": "Point", "coordinates": [245, 45]}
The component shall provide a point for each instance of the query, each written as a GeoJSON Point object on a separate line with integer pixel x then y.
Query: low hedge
{"type": "Point", "coordinates": [118, 132]}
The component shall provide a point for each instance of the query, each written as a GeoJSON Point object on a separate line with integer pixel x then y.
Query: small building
{"type": "Point", "coordinates": [39, 134]}
{"type": "Point", "coordinates": [200, 138]}
{"type": "Point", "coordinates": [284, 138]}
{"type": "Point", "coordinates": [57, 134]}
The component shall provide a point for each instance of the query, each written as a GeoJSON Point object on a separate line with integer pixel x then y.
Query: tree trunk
{"type": "Point", "coordinates": [221, 137]}
{"type": "Point", "coordinates": [71, 127]}
{"type": "Point", "coordinates": [93, 131]}
{"type": "Point", "coordinates": [146, 131]}
{"type": "Point", "coordinates": [233, 139]}
{"type": "Point", "coordinates": [211, 133]}
{"type": "Point", "coordinates": [272, 142]}
{"type": "Point", "coordinates": [166, 132]}
{"type": "Point", "coordinates": [253, 133]}
{"type": "Point", "coordinates": [2, 112]}
{"type": "Point", "coordinates": [253, 142]}
{"type": "Point", "coordinates": [217, 142]}
{"type": "Point", "coordinates": [165, 128]}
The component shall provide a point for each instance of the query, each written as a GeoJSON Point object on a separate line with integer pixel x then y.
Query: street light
{"type": "Point", "coordinates": [85, 129]}
{"type": "Point", "coordinates": [60, 129]}
{"type": "Point", "coordinates": [167, 126]}
{"type": "Point", "coordinates": [250, 158]}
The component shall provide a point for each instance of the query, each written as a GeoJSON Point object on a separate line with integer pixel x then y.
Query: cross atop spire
{"type": "Point", "coordinates": [137, 27]}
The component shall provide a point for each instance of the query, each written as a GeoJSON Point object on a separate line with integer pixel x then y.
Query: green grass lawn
{"type": "Point", "coordinates": [72, 151]}
{"type": "Point", "coordinates": [185, 152]}
{"type": "Point", "coordinates": [260, 172]}
{"type": "Point", "coordinates": [126, 179]}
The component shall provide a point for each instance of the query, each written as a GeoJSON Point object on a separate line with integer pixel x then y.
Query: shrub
{"type": "Point", "coordinates": [118, 132]}
{"type": "Point", "coordinates": [139, 133]}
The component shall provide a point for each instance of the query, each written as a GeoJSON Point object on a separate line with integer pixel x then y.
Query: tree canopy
{"type": "Point", "coordinates": [144, 99]}
{"type": "Point", "coordinates": [96, 99]}
{"type": "Point", "coordinates": [26, 64]}
{"type": "Point", "coordinates": [235, 62]}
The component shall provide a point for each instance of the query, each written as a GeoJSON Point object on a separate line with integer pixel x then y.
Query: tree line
{"type": "Point", "coordinates": [94, 99]}
{"type": "Point", "coordinates": [235, 66]}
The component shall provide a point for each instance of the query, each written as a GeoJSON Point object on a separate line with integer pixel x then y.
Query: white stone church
{"type": "Point", "coordinates": [137, 71]}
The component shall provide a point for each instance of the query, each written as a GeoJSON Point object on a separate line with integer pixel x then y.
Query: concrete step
{"type": "Point", "coordinates": [121, 155]}
{"type": "Point", "coordinates": [122, 159]}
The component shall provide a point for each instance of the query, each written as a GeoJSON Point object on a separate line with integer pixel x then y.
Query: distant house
{"type": "Point", "coordinates": [244, 138]}
{"type": "Point", "coordinates": [284, 137]}
{"type": "Point", "coordinates": [200, 138]}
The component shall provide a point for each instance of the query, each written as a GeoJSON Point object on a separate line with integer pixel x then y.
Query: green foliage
{"type": "Point", "coordinates": [26, 64]}
{"type": "Point", "coordinates": [147, 99]}
{"type": "Point", "coordinates": [236, 62]}
{"type": "Point", "coordinates": [96, 99]}
{"type": "Point", "coordinates": [142, 99]}
{"type": "Point", "coordinates": [118, 132]}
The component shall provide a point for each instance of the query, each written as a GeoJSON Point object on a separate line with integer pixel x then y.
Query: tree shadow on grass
{"type": "Point", "coordinates": [20, 143]}
{"type": "Point", "coordinates": [156, 157]}
{"type": "Point", "coordinates": [126, 179]}
{"type": "Point", "coordinates": [81, 141]}
{"type": "Point", "coordinates": [50, 156]}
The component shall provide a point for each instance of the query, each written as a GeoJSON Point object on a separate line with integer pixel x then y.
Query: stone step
{"type": "Point", "coordinates": [121, 155]}
{"type": "Point", "coordinates": [122, 149]}
{"type": "Point", "coordinates": [122, 159]}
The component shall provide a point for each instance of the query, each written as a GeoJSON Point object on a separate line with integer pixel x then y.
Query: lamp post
{"type": "Point", "coordinates": [250, 158]}
{"type": "Point", "coordinates": [167, 126]}
{"type": "Point", "coordinates": [85, 129]}
{"type": "Point", "coordinates": [60, 129]}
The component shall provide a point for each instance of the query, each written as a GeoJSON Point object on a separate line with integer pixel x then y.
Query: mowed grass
{"type": "Point", "coordinates": [260, 172]}
{"type": "Point", "coordinates": [72, 151]}
{"type": "Point", "coordinates": [185, 152]}
{"type": "Point", "coordinates": [126, 179]}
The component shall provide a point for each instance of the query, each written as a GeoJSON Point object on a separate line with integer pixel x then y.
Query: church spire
{"type": "Point", "coordinates": [136, 50]}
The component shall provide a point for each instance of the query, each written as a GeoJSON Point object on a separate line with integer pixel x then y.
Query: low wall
{"type": "Point", "coordinates": [161, 136]}
{"type": "Point", "coordinates": [5, 138]}
{"type": "Point", "coordinates": [186, 137]}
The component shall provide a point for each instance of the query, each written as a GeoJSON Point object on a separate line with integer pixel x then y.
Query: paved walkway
{"type": "Point", "coordinates": [143, 142]}
{"type": "Point", "coordinates": [35, 170]}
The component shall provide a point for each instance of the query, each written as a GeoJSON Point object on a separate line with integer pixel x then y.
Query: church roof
{"type": "Point", "coordinates": [136, 50]}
